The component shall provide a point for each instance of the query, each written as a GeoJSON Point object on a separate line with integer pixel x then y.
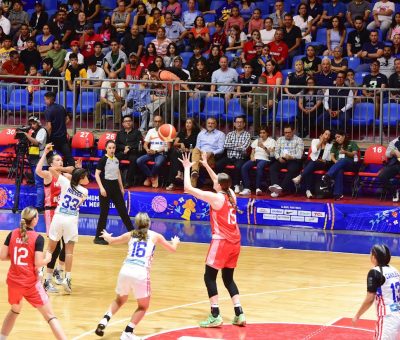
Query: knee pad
{"type": "Point", "coordinates": [211, 285]}
{"type": "Point", "coordinates": [229, 283]}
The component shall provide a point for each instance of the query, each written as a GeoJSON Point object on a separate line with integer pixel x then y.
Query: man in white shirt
{"type": "Point", "coordinates": [189, 15]}
{"type": "Point", "coordinates": [95, 74]}
{"type": "Point", "coordinates": [5, 24]}
{"type": "Point", "coordinates": [225, 75]}
{"type": "Point", "coordinates": [387, 62]}
{"type": "Point", "coordinates": [268, 33]}
{"type": "Point", "coordinates": [74, 49]}
{"type": "Point", "coordinates": [112, 95]}
{"type": "Point", "coordinates": [382, 12]}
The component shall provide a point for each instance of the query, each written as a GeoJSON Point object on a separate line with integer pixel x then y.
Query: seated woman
{"type": "Point", "coordinates": [184, 142]}
{"type": "Point", "coordinates": [338, 63]}
{"type": "Point", "coordinates": [273, 77]}
{"type": "Point", "coordinates": [154, 21]}
{"type": "Point", "coordinates": [140, 18]}
{"type": "Point", "coordinates": [335, 36]}
{"type": "Point", "coordinates": [344, 155]}
{"type": "Point", "coordinates": [262, 149]}
{"type": "Point", "coordinates": [236, 39]}
{"type": "Point", "coordinates": [318, 159]}
{"type": "Point", "coordinates": [120, 19]}
{"type": "Point", "coordinates": [45, 41]}
{"type": "Point", "coordinates": [297, 78]}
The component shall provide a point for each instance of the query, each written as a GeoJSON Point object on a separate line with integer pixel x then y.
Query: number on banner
{"type": "Point", "coordinates": [377, 149]}
{"type": "Point", "coordinates": [83, 134]}
{"type": "Point", "coordinates": [10, 132]}
{"type": "Point", "coordinates": [110, 136]}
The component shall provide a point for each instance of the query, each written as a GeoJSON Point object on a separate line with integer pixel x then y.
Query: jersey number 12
{"type": "Point", "coordinates": [19, 255]}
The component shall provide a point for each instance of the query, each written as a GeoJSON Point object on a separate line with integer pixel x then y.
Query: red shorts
{"type": "Point", "coordinates": [223, 254]}
{"type": "Point", "coordinates": [48, 216]}
{"type": "Point", "coordinates": [36, 295]}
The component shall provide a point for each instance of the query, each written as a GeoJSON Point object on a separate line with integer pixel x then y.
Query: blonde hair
{"type": "Point", "coordinates": [27, 215]}
{"type": "Point", "coordinates": [142, 221]}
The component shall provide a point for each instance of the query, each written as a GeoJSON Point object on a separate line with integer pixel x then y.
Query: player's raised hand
{"type": "Point", "coordinates": [204, 158]}
{"type": "Point", "coordinates": [186, 160]}
{"type": "Point", "coordinates": [48, 148]}
{"type": "Point", "coordinates": [175, 240]}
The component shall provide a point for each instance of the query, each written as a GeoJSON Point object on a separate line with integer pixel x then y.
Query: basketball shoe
{"type": "Point", "coordinates": [100, 329]}
{"type": "Point", "coordinates": [49, 287]}
{"type": "Point", "coordinates": [58, 276]}
{"type": "Point", "coordinates": [67, 285]}
{"type": "Point", "coordinates": [211, 322]}
{"type": "Point", "coordinates": [239, 320]}
{"type": "Point", "coordinates": [129, 336]}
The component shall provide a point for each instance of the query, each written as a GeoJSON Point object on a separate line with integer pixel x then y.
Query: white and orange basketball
{"type": "Point", "coordinates": [167, 132]}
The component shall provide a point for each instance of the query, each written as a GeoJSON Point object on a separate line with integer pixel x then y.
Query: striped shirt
{"type": "Point", "coordinates": [236, 144]}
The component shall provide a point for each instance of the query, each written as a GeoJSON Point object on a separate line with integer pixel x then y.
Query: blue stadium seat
{"type": "Point", "coordinates": [234, 109]}
{"type": "Point", "coordinates": [321, 36]}
{"type": "Point", "coordinates": [353, 62]}
{"type": "Point", "coordinates": [364, 114]}
{"type": "Point", "coordinates": [111, 4]}
{"type": "Point", "coordinates": [186, 57]}
{"type": "Point", "coordinates": [38, 103]}
{"type": "Point", "coordinates": [69, 100]}
{"type": "Point", "coordinates": [148, 39]}
{"type": "Point", "coordinates": [87, 102]}
{"type": "Point", "coordinates": [287, 111]}
{"type": "Point", "coordinates": [49, 4]}
{"type": "Point", "coordinates": [263, 6]}
{"type": "Point", "coordinates": [213, 107]}
{"type": "Point", "coordinates": [19, 100]}
{"type": "Point", "coordinates": [193, 107]}
{"type": "Point", "coordinates": [359, 76]}
{"type": "Point", "coordinates": [211, 30]}
{"type": "Point", "coordinates": [216, 4]}
{"type": "Point", "coordinates": [209, 18]}
{"type": "Point", "coordinates": [391, 114]}
{"type": "Point", "coordinates": [285, 74]}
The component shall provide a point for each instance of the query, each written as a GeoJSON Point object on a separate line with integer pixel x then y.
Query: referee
{"type": "Point", "coordinates": [108, 178]}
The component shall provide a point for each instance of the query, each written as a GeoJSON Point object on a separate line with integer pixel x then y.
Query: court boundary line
{"type": "Point", "coordinates": [221, 299]}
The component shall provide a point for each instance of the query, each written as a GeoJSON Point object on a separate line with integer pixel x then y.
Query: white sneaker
{"type": "Point", "coordinates": [274, 194]}
{"type": "Point", "coordinates": [259, 192]}
{"type": "Point", "coordinates": [309, 194]}
{"type": "Point", "coordinates": [58, 276]}
{"type": "Point", "coordinates": [129, 336]}
{"type": "Point", "coordinates": [245, 192]}
{"type": "Point", "coordinates": [396, 196]}
{"type": "Point", "coordinates": [297, 180]}
{"type": "Point", "coordinates": [237, 189]}
{"type": "Point", "coordinates": [275, 188]}
{"type": "Point", "coordinates": [67, 286]}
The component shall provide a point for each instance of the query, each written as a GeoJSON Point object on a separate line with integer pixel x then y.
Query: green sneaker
{"type": "Point", "coordinates": [211, 322]}
{"type": "Point", "coordinates": [239, 320]}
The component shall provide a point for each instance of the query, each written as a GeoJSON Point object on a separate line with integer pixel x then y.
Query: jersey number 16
{"type": "Point", "coordinates": [139, 249]}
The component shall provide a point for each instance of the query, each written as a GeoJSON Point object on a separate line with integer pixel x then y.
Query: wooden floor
{"type": "Point", "coordinates": [276, 285]}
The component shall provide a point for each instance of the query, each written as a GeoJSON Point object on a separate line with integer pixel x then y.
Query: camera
{"type": "Point", "coordinates": [20, 133]}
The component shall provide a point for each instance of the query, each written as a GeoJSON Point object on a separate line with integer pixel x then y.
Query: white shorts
{"type": "Point", "coordinates": [64, 226]}
{"type": "Point", "coordinates": [388, 327]}
{"type": "Point", "coordinates": [133, 279]}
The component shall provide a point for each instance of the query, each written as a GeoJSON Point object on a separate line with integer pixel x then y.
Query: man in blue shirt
{"type": "Point", "coordinates": [334, 8]}
{"type": "Point", "coordinates": [370, 51]}
{"type": "Point", "coordinates": [326, 77]}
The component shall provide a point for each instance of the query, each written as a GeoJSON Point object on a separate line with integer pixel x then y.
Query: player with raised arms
{"type": "Point", "coordinates": [383, 287]}
{"type": "Point", "coordinates": [24, 248]}
{"type": "Point", "coordinates": [134, 275]}
{"type": "Point", "coordinates": [65, 219]}
{"type": "Point", "coordinates": [225, 244]}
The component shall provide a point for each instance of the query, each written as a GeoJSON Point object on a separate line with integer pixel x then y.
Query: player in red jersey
{"type": "Point", "coordinates": [52, 193]}
{"type": "Point", "coordinates": [225, 244]}
{"type": "Point", "coordinates": [24, 248]}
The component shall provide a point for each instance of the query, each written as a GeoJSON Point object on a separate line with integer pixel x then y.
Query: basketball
{"type": "Point", "coordinates": [167, 132]}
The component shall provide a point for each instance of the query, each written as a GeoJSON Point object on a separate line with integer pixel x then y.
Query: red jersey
{"type": "Point", "coordinates": [51, 193]}
{"type": "Point", "coordinates": [278, 51]}
{"type": "Point", "coordinates": [249, 50]}
{"type": "Point", "coordinates": [223, 222]}
{"type": "Point", "coordinates": [22, 272]}
{"type": "Point", "coordinates": [88, 47]}
{"type": "Point", "coordinates": [133, 74]}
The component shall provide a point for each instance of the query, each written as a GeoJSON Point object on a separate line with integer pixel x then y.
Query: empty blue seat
{"type": "Point", "coordinates": [287, 111]}
{"type": "Point", "coordinates": [213, 107]}
{"type": "Point", "coordinates": [234, 109]}
{"type": "Point", "coordinates": [193, 107]}
{"type": "Point", "coordinates": [186, 57]}
{"type": "Point", "coordinates": [209, 17]}
{"type": "Point", "coordinates": [69, 100]}
{"type": "Point", "coordinates": [216, 4]}
{"type": "Point", "coordinates": [391, 114]}
{"type": "Point", "coordinates": [87, 102]}
{"type": "Point", "coordinates": [38, 103]}
{"type": "Point", "coordinates": [364, 114]}
{"type": "Point", "coordinates": [321, 36]}
{"type": "Point", "coordinates": [19, 100]}
{"type": "Point", "coordinates": [353, 62]}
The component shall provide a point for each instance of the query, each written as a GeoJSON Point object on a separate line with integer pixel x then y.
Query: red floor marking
{"type": "Point", "coordinates": [269, 331]}
{"type": "Point", "coordinates": [365, 324]}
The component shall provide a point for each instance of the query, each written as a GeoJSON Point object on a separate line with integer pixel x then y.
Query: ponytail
{"type": "Point", "coordinates": [22, 229]}
{"type": "Point", "coordinates": [27, 215]}
{"type": "Point", "coordinates": [142, 221]}
{"type": "Point", "coordinates": [225, 181]}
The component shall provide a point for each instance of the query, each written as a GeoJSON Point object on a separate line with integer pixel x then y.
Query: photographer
{"type": "Point", "coordinates": [37, 142]}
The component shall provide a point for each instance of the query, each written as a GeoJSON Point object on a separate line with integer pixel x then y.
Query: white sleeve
{"type": "Point", "coordinates": [148, 136]}
{"type": "Point", "coordinates": [254, 144]}
{"type": "Point", "coordinates": [67, 56]}
{"type": "Point", "coordinates": [41, 136]}
{"type": "Point", "coordinates": [63, 182]}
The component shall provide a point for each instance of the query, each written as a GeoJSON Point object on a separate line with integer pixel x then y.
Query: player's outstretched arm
{"type": "Point", "coordinates": [4, 255]}
{"type": "Point", "coordinates": [170, 246]}
{"type": "Point", "coordinates": [124, 238]}
{"type": "Point", "coordinates": [46, 175]}
{"type": "Point", "coordinates": [368, 301]}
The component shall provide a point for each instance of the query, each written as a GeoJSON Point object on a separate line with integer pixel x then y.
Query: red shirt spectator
{"type": "Point", "coordinates": [279, 51]}
{"type": "Point", "coordinates": [13, 67]}
{"type": "Point", "coordinates": [87, 41]}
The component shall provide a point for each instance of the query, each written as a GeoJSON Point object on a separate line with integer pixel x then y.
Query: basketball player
{"type": "Point", "coordinates": [52, 192]}
{"type": "Point", "coordinates": [65, 219]}
{"type": "Point", "coordinates": [383, 286]}
{"type": "Point", "coordinates": [134, 275]}
{"type": "Point", "coordinates": [24, 248]}
{"type": "Point", "coordinates": [225, 244]}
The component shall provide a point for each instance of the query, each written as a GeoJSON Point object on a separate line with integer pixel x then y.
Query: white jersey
{"type": "Point", "coordinates": [140, 253]}
{"type": "Point", "coordinates": [387, 298]}
{"type": "Point", "coordinates": [70, 198]}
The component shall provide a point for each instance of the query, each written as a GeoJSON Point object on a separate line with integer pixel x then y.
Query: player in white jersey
{"type": "Point", "coordinates": [383, 287]}
{"type": "Point", "coordinates": [65, 220]}
{"type": "Point", "coordinates": [134, 275]}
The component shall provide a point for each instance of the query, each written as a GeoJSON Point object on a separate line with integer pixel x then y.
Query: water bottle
{"type": "Point", "coordinates": [140, 146]}
{"type": "Point", "coordinates": [191, 148]}
{"type": "Point", "coordinates": [241, 186]}
{"type": "Point", "coordinates": [356, 158]}
{"type": "Point", "coordinates": [165, 147]}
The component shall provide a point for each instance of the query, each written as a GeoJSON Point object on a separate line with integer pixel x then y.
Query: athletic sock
{"type": "Point", "coordinates": [49, 276]}
{"type": "Point", "coordinates": [3, 337]}
{"type": "Point", "coordinates": [238, 309]}
{"type": "Point", "coordinates": [60, 268]}
{"type": "Point", "coordinates": [130, 327]}
{"type": "Point", "coordinates": [214, 310]}
{"type": "Point", "coordinates": [68, 275]}
{"type": "Point", "coordinates": [106, 318]}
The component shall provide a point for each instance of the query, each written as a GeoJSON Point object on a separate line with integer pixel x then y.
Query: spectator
{"type": "Point", "coordinates": [249, 48]}
{"type": "Point", "coordinates": [200, 74]}
{"type": "Point", "coordinates": [319, 158]}
{"type": "Point", "coordinates": [133, 70]}
{"type": "Point", "coordinates": [73, 15]}
{"type": "Point", "coordinates": [350, 81]}
{"type": "Point", "coordinates": [258, 62]}
{"type": "Point", "coordinates": [13, 66]}
{"type": "Point", "coordinates": [151, 4]}
{"type": "Point", "coordinates": [4, 23]}
{"type": "Point", "coordinates": [92, 9]}
{"type": "Point", "coordinates": [53, 75]}
{"type": "Point", "coordinates": [79, 27]}
{"type": "Point", "coordinates": [154, 21]}
{"type": "Point", "coordinates": [88, 39]}
{"type": "Point", "coordinates": [178, 66]}
{"type": "Point", "coordinates": [255, 22]}
{"type": "Point", "coordinates": [246, 78]}
{"type": "Point", "coordinates": [211, 141]}
{"type": "Point", "coordinates": [326, 77]}
{"type": "Point", "coordinates": [189, 16]}
{"type": "Point", "coordinates": [357, 9]}
{"type": "Point", "coordinates": [273, 75]}
{"type": "Point", "coordinates": [120, 19]}
{"type": "Point", "coordinates": [161, 42]}
{"type": "Point", "coordinates": [34, 83]}
{"type": "Point", "coordinates": [127, 148]}
{"type": "Point", "coordinates": [315, 9]}
{"type": "Point", "coordinates": [304, 21]}
{"type": "Point", "coordinates": [133, 42]}
{"type": "Point", "coordinates": [338, 103]}
{"type": "Point", "coordinates": [292, 36]}
{"type": "Point", "coordinates": [224, 11]}
{"type": "Point", "coordinates": [74, 50]}
{"type": "Point", "coordinates": [212, 62]}
{"type": "Point", "coordinates": [173, 7]}
{"type": "Point", "coordinates": [95, 74]}
{"type": "Point", "coordinates": [115, 60]}
{"type": "Point", "coordinates": [279, 49]}
{"type": "Point", "coordinates": [371, 50]}
{"type": "Point", "coordinates": [224, 75]}
{"type": "Point", "coordinates": [112, 95]}
{"type": "Point", "coordinates": [335, 36]}
{"type": "Point", "coordinates": [17, 17]}
{"type": "Point", "coordinates": [149, 55]}
{"type": "Point", "coordinates": [195, 58]}
{"type": "Point", "coordinates": [56, 126]}
{"type": "Point", "coordinates": [297, 78]}
{"type": "Point", "coordinates": [174, 31]}
{"type": "Point", "coordinates": [73, 71]}
{"type": "Point", "coordinates": [386, 62]}
{"type": "Point", "coordinates": [185, 141]}
{"type": "Point", "coordinates": [394, 27]}
{"type": "Point", "coordinates": [312, 64]}
{"type": "Point", "coordinates": [219, 38]}
{"type": "Point", "coordinates": [107, 33]}
{"type": "Point", "coordinates": [156, 151]}
{"type": "Point", "coordinates": [20, 39]}
{"type": "Point", "coordinates": [57, 53]}
{"type": "Point", "coordinates": [61, 28]}
{"type": "Point", "coordinates": [199, 34]}
{"type": "Point", "coordinates": [335, 8]}
{"type": "Point", "coordinates": [98, 54]}
{"type": "Point", "coordinates": [338, 63]}
{"type": "Point", "coordinates": [38, 19]}
{"type": "Point", "coordinates": [288, 153]}
{"type": "Point", "coordinates": [140, 18]}
{"type": "Point", "coordinates": [357, 38]}
{"type": "Point", "coordinates": [382, 12]}
{"type": "Point", "coordinates": [45, 41]}
{"type": "Point", "coordinates": [262, 149]}
{"type": "Point", "coordinates": [172, 52]}
{"type": "Point", "coordinates": [236, 144]}
{"type": "Point", "coordinates": [372, 83]}
{"type": "Point", "coordinates": [268, 33]}
{"type": "Point", "coordinates": [246, 9]}
{"type": "Point", "coordinates": [278, 16]}
{"type": "Point", "coordinates": [344, 155]}
{"type": "Point", "coordinates": [234, 20]}
{"type": "Point", "coordinates": [30, 56]}
{"type": "Point", "coordinates": [394, 82]}
{"type": "Point", "coordinates": [392, 166]}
